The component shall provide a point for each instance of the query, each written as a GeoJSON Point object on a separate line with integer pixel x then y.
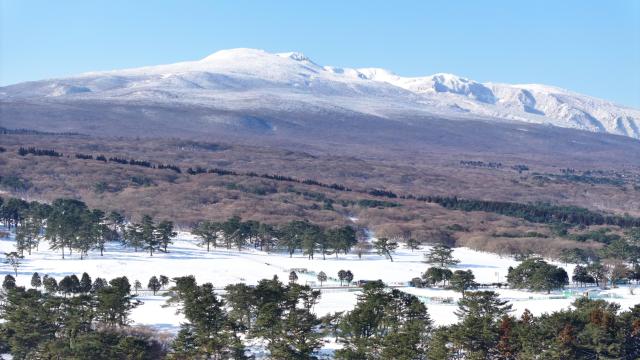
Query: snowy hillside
{"type": "Point", "coordinates": [248, 79]}
{"type": "Point", "coordinates": [222, 267]}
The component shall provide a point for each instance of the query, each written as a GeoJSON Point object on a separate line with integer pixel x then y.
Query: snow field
{"type": "Point", "coordinates": [222, 267]}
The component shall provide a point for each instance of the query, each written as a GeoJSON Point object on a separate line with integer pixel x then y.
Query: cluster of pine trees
{"type": "Point", "coordinates": [69, 225]}
{"type": "Point", "coordinates": [296, 235]}
{"type": "Point", "coordinates": [92, 322]}
{"type": "Point", "coordinates": [72, 319]}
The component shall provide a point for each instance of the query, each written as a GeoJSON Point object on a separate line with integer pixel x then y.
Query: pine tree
{"type": "Point", "coordinates": [148, 234]}
{"type": "Point", "coordinates": [164, 281]}
{"type": "Point", "coordinates": [14, 260]}
{"type": "Point", "coordinates": [208, 331]}
{"type": "Point", "coordinates": [133, 236]}
{"type": "Point", "coordinates": [98, 284]}
{"type": "Point", "coordinates": [208, 232]}
{"type": "Point", "coordinates": [293, 277]}
{"type": "Point", "coordinates": [36, 281]}
{"type": "Point", "coordinates": [440, 255]}
{"type": "Point", "coordinates": [413, 244]}
{"type": "Point", "coordinates": [85, 283]}
{"type": "Point", "coordinates": [290, 236]}
{"type": "Point", "coordinates": [462, 280]}
{"type": "Point", "coordinates": [66, 285]}
{"type": "Point", "coordinates": [385, 247]}
{"type": "Point", "coordinates": [322, 277]}
{"type": "Point", "coordinates": [478, 332]}
{"type": "Point", "coordinates": [154, 284]}
{"type": "Point", "coordinates": [50, 284]}
{"type": "Point", "coordinates": [165, 233]}
{"type": "Point", "coordinates": [137, 286]}
{"type": "Point", "coordinates": [9, 282]}
{"type": "Point", "coordinates": [348, 277]}
{"type": "Point", "coordinates": [310, 239]}
{"type": "Point", "coordinates": [64, 223]}
{"type": "Point", "coordinates": [115, 302]}
{"type": "Point", "coordinates": [341, 276]}
{"type": "Point", "coordinates": [241, 302]}
{"type": "Point", "coordinates": [581, 276]}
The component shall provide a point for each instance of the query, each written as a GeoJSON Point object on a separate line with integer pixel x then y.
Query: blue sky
{"type": "Point", "coordinates": [591, 47]}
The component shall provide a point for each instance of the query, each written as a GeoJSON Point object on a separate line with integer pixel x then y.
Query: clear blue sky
{"type": "Point", "coordinates": [591, 47]}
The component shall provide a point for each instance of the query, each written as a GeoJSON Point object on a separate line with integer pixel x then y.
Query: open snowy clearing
{"type": "Point", "coordinates": [222, 267]}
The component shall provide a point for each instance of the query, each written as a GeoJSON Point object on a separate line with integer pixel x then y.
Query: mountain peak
{"type": "Point", "coordinates": [296, 82]}
{"type": "Point", "coordinates": [294, 55]}
{"type": "Point", "coordinates": [234, 53]}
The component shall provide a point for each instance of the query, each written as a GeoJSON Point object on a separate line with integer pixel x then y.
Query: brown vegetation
{"type": "Point", "coordinates": [187, 199]}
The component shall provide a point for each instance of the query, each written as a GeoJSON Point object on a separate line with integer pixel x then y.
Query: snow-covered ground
{"type": "Point", "coordinates": [222, 267]}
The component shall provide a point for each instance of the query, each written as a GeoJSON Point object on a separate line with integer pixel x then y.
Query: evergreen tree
{"type": "Point", "coordinates": [85, 283]}
{"type": "Point", "coordinates": [435, 275]}
{"type": "Point", "coordinates": [148, 234]}
{"type": "Point", "coordinates": [28, 233]}
{"type": "Point", "coordinates": [478, 332]}
{"type": "Point", "coordinates": [340, 239]}
{"type": "Point", "coordinates": [208, 331]}
{"type": "Point", "coordinates": [64, 223]}
{"type": "Point", "coordinates": [9, 282]}
{"type": "Point", "coordinates": [66, 285]}
{"type": "Point", "coordinates": [291, 236]}
{"type": "Point", "coordinates": [342, 275]}
{"type": "Point", "coordinates": [385, 247]}
{"type": "Point", "coordinates": [98, 284]}
{"type": "Point", "coordinates": [440, 255]}
{"type": "Point", "coordinates": [462, 280]}
{"type": "Point", "coordinates": [536, 274]}
{"type": "Point", "coordinates": [348, 277]}
{"type": "Point", "coordinates": [36, 281]}
{"type": "Point", "coordinates": [154, 284]}
{"type": "Point", "coordinates": [241, 302]}
{"type": "Point", "coordinates": [137, 286]}
{"type": "Point", "coordinates": [293, 277]}
{"type": "Point", "coordinates": [133, 236]}
{"type": "Point", "coordinates": [99, 230]}
{"type": "Point", "coordinates": [285, 321]}
{"type": "Point", "coordinates": [207, 231]}
{"type": "Point", "coordinates": [115, 302]}
{"type": "Point", "coordinates": [232, 232]}
{"type": "Point", "coordinates": [14, 260]}
{"type": "Point", "coordinates": [165, 233]}
{"type": "Point", "coordinates": [598, 272]}
{"type": "Point", "coordinates": [413, 244]}
{"type": "Point", "coordinates": [322, 277]}
{"type": "Point", "coordinates": [581, 276]}
{"type": "Point", "coordinates": [385, 325]}
{"type": "Point", "coordinates": [312, 238]}
{"type": "Point", "coordinates": [164, 281]}
{"type": "Point", "coordinates": [50, 284]}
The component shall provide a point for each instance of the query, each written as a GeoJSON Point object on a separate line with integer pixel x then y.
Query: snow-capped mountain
{"type": "Point", "coordinates": [248, 79]}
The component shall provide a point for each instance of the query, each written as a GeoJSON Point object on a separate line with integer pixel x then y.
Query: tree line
{"type": "Point", "coordinates": [22, 151]}
{"type": "Point", "coordinates": [69, 225]}
{"type": "Point", "coordinates": [536, 212]}
{"type": "Point", "coordinates": [297, 235]}
{"type": "Point", "coordinates": [384, 324]}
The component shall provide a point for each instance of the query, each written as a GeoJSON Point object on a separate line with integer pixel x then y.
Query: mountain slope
{"type": "Point", "coordinates": [249, 80]}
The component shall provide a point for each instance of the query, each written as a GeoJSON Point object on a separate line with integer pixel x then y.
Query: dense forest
{"type": "Point", "coordinates": [91, 321]}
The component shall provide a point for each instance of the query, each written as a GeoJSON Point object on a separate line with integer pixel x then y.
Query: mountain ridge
{"type": "Point", "coordinates": [293, 81]}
